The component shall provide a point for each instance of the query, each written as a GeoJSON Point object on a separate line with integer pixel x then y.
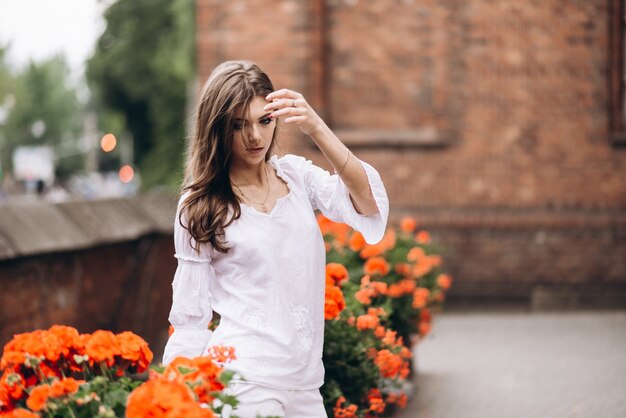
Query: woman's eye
{"type": "Point", "coordinates": [265, 121]}
{"type": "Point", "coordinates": [237, 126]}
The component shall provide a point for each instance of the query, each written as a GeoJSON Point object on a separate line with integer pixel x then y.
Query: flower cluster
{"type": "Point", "coordinates": [185, 388]}
{"type": "Point", "coordinates": [45, 371]}
{"type": "Point", "coordinates": [388, 291]}
{"type": "Point", "coordinates": [61, 373]}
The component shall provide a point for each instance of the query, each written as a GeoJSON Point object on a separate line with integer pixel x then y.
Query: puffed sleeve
{"type": "Point", "coordinates": [329, 194]}
{"type": "Point", "coordinates": [191, 308]}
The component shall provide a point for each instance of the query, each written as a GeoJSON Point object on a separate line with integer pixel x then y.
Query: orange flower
{"type": "Point", "coordinates": [403, 269]}
{"type": "Point", "coordinates": [134, 348]}
{"type": "Point", "coordinates": [420, 297]}
{"type": "Point", "coordinates": [379, 332]}
{"type": "Point", "coordinates": [403, 287]}
{"type": "Point", "coordinates": [390, 338]}
{"type": "Point", "coordinates": [444, 281]}
{"type": "Point", "coordinates": [207, 379]}
{"type": "Point", "coordinates": [334, 302]}
{"type": "Point", "coordinates": [422, 267]}
{"type": "Point", "coordinates": [38, 397]}
{"type": "Point", "coordinates": [371, 251]}
{"type": "Point", "coordinates": [415, 254]}
{"type": "Point", "coordinates": [37, 344]}
{"type": "Point", "coordinates": [19, 413]}
{"type": "Point", "coordinates": [342, 411]}
{"type": "Point", "coordinates": [64, 386]}
{"type": "Point", "coordinates": [407, 285]}
{"type": "Point", "coordinates": [69, 338]}
{"type": "Point", "coordinates": [376, 311]}
{"type": "Point", "coordinates": [102, 346]}
{"type": "Point", "coordinates": [408, 224]}
{"type": "Point", "coordinates": [379, 287]}
{"type": "Point", "coordinates": [162, 398]}
{"type": "Point", "coordinates": [179, 367]}
{"type": "Point", "coordinates": [324, 223]}
{"type": "Point", "coordinates": [424, 328]}
{"type": "Point", "coordinates": [356, 242]}
{"type": "Point", "coordinates": [337, 272]}
{"type": "Point", "coordinates": [389, 240]}
{"type": "Point", "coordinates": [364, 295]}
{"type": "Point", "coordinates": [390, 364]}
{"type": "Point", "coordinates": [422, 237]}
{"type": "Point", "coordinates": [222, 354]}
{"type": "Point", "coordinates": [340, 232]}
{"type": "Point", "coordinates": [376, 265]}
{"type": "Point", "coordinates": [11, 386]}
{"type": "Point", "coordinates": [395, 290]}
{"type": "Point", "coordinates": [367, 322]}
{"type": "Point", "coordinates": [375, 399]}
{"type": "Point", "coordinates": [398, 399]}
{"type": "Point", "coordinates": [436, 260]}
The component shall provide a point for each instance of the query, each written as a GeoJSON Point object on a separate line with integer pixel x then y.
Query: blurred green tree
{"type": "Point", "coordinates": [39, 106]}
{"type": "Point", "coordinates": [140, 74]}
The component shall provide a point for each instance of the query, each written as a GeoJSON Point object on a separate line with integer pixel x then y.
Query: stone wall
{"type": "Point", "coordinates": [92, 264]}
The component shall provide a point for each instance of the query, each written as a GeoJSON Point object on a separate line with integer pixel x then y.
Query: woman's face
{"type": "Point", "coordinates": [253, 134]}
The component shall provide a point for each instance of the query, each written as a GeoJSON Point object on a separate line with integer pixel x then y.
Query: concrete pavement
{"type": "Point", "coordinates": [521, 365]}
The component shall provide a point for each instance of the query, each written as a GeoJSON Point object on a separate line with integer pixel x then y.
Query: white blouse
{"type": "Point", "coordinates": [269, 287]}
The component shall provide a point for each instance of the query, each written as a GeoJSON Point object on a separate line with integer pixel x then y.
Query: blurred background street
{"type": "Point", "coordinates": [515, 364]}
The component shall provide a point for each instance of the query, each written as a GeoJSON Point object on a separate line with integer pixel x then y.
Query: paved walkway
{"type": "Point", "coordinates": [521, 365]}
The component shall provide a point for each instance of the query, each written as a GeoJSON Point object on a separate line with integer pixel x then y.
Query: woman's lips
{"type": "Point", "coordinates": [255, 150]}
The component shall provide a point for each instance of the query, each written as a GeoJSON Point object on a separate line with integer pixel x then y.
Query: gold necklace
{"type": "Point", "coordinates": [264, 208]}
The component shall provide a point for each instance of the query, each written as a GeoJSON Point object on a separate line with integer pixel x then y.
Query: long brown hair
{"type": "Point", "coordinates": [230, 88]}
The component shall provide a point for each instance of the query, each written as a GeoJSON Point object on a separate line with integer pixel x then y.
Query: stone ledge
{"type": "Point", "coordinates": [520, 219]}
{"type": "Point", "coordinates": [536, 296]}
{"type": "Point", "coordinates": [37, 227]}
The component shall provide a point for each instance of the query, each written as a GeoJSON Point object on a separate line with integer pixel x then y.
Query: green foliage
{"type": "Point", "coordinates": [140, 73]}
{"type": "Point", "coordinates": [345, 354]}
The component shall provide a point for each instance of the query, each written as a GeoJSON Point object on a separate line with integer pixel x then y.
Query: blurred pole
{"type": "Point", "coordinates": [91, 143]}
{"type": "Point", "coordinates": [127, 151]}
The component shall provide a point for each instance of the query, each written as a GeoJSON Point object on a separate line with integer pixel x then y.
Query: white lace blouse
{"type": "Point", "coordinates": [269, 288]}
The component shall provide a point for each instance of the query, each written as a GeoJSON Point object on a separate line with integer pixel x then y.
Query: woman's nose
{"type": "Point", "coordinates": [254, 134]}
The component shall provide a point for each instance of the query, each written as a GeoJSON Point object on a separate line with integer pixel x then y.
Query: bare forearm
{"type": "Point", "coordinates": [348, 167]}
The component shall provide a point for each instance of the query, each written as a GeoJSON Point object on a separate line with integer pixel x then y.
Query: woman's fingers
{"type": "Point", "coordinates": [283, 94]}
{"type": "Point", "coordinates": [295, 119]}
{"type": "Point", "coordinates": [291, 111]}
{"type": "Point", "coordinates": [280, 103]}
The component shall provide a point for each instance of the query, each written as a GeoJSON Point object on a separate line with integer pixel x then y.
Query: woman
{"type": "Point", "coordinates": [248, 244]}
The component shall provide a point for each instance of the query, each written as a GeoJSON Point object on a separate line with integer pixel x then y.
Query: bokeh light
{"type": "Point", "coordinates": [108, 143]}
{"type": "Point", "coordinates": [126, 174]}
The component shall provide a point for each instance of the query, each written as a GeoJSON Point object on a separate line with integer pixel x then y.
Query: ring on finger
{"type": "Point", "coordinates": [293, 103]}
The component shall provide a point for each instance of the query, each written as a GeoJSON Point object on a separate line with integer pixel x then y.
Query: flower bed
{"type": "Point", "coordinates": [61, 373]}
{"type": "Point", "coordinates": [379, 300]}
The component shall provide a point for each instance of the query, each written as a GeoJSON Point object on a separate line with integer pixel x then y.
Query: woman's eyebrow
{"type": "Point", "coordinates": [261, 117]}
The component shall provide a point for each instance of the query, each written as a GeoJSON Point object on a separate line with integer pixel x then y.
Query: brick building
{"type": "Point", "coordinates": [498, 124]}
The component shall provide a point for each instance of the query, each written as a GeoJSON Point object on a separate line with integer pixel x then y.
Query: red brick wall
{"type": "Point", "coordinates": [491, 108]}
{"type": "Point", "coordinates": [123, 286]}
